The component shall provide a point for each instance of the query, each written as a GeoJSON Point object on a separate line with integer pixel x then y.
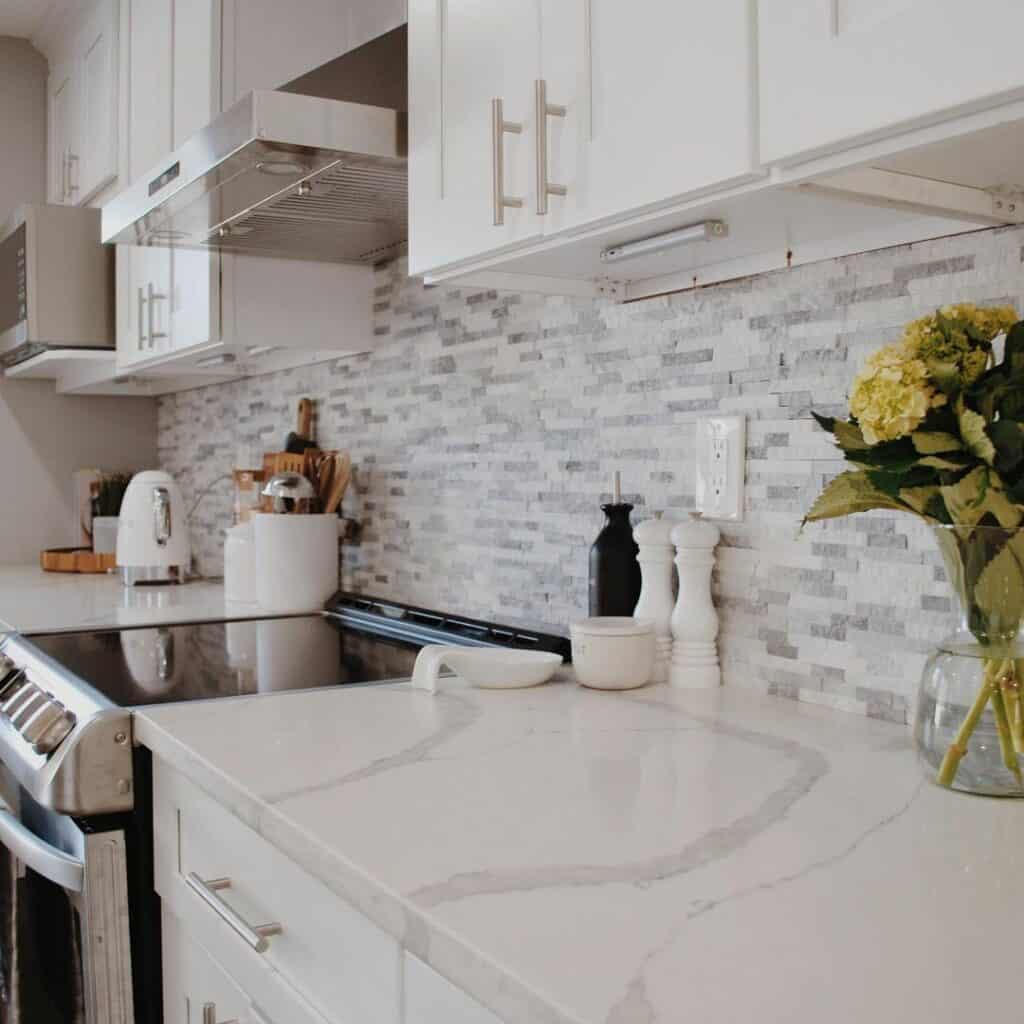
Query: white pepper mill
{"type": "Point", "coordinates": [694, 620]}
{"type": "Point", "coordinates": [654, 538]}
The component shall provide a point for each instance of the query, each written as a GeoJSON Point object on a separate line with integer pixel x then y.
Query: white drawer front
{"type": "Point", "coordinates": [194, 980]}
{"type": "Point", "coordinates": [433, 999]}
{"type": "Point", "coordinates": [338, 960]}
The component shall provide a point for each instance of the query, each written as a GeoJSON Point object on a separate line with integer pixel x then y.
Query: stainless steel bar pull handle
{"type": "Point", "coordinates": [142, 303]}
{"type": "Point", "coordinates": [72, 159]}
{"type": "Point", "coordinates": [499, 126]}
{"type": "Point", "coordinates": [257, 936]}
{"type": "Point", "coordinates": [210, 1015]}
{"type": "Point", "coordinates": [152, 298]}
{"type": "Point", "coordinates": [544, 110]}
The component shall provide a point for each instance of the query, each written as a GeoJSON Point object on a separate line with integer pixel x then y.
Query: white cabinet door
{"type": "Point", "coordinates": [195, 275]}
{"type": "Point", "coordinates": [195, 299]}
{"type": "Point", "coordinates": [150, 85]}
{"type": "Point", "coordinates": [63, 118]}
{"type": "Point", "coordinates": [98, 64]}
{"type": "Point", "coordinates": [659, 102]}
{"type": "Point", "coordinates": [144, 304]}
{"type": "Point", "coordinates": [433, 999]}
{"type": "Point", "coordinates": [193, 980]}
{"type": "Point", "coordinates": [463, 54]}
{"type": "Point", "coordinates": [196, 66]}
{"type": "Point", "coordinates": [836, 71]}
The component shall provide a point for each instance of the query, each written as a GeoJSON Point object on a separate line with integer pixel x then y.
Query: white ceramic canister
{"type": "Point", "coordinates": [239, 582]}
{"type": "Point", "coordinates": [295, 561]}
{"type": "Point", "coordinates": [613, 652]}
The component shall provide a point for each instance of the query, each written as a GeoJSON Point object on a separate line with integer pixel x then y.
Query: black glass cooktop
{"type": "Point", "coordinates": [133, 667]}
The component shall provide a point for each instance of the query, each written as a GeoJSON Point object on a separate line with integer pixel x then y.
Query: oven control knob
{"type": "Point", "coordinates": [32, 700]}
{"type": "Point", "coordinates": [55, 732]}
{"type": "Point", "coordinates": [21, 691]}
{"type": "Point", "coordinates": [9, 683]}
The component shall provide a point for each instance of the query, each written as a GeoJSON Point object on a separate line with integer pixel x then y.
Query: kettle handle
{"type": "Point", "coordinates": [161, 515]}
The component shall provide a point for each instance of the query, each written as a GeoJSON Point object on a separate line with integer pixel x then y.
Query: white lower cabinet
{"type": "Point", "coordinates": [327, 962]}
{"type": "Point", "coordinates": [321, 962]}
{"type": "Point", "coordinates": [432, 999]}
{"type": "Point", "coordinates": [194, 981]}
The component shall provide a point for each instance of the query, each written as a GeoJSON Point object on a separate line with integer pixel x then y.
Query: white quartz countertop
{"type": "Point", "coordinates": [33, 601]}
{"type": "Point", "coordinates": [566, 855]}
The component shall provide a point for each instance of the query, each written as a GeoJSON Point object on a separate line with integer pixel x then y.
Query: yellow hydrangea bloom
{"type": "Point", "coordinates": [892, 394]}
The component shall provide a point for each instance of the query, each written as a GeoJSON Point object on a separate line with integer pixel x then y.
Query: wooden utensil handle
{"type": "Point", "coordinates": [304, 426]}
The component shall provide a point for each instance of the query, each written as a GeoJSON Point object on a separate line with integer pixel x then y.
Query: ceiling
{"type": "Point", "coordinates": [22, 17]}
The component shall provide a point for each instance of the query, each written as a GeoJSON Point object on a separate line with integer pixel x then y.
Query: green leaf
{"type": "Point", "coordinates": [849, 437]}
{"type": "Point", "coordinates": [930, 442]}
{"type": "Point", "coordinates": [1008, 438]}
{"type": "Point", "coordinates": [978, 494]}
{"type": "Point", "coordinates": [940, 462]}
{"type": "Point", "coordinates": [972, 430]}
{"type": "Point", "coordinates": [827, 423]}
{"type": "Point", "coordinates": [848, 493]}
{"type": "Point", "coordinates": [999, 591]}
{"type": "Point", "coordinates": [1013, 354]}
{"type": "Point", "coordinates": [920, 499]}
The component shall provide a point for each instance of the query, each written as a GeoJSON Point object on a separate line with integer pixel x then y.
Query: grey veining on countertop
{"type": "Point", "coordinates": [658, 856]}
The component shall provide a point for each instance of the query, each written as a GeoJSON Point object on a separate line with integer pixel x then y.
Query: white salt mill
{"type": "Point", "coordinates": [654, 538]}
{"type": "Point", "coordinates": [694, 620]}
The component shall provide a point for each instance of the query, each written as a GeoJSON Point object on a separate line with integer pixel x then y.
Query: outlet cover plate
{"type": "Point", "coordinates": [721, 465]}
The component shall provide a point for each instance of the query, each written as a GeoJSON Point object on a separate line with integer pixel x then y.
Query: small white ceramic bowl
{"type": "Point", "coordinates": [487, 667]}
{"type": "Point", "coordinates": [613, 652]}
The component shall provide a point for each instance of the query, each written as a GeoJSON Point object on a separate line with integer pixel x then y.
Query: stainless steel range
{"type": "Point", "coordinates": [80, 931]}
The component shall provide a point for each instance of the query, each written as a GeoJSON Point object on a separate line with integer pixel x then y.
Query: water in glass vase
{"type": "Point", "coordinates": [969, 723]}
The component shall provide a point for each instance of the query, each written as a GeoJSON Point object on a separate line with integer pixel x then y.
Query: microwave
{"type": "Point", "coordinates": [56, 282]}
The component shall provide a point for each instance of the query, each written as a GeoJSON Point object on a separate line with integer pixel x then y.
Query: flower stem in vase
{"type": "Point", "coordinates": [958, 748]}
{"type": "Point", "coordinates": [1003, 725]}
{"type": "Point", "coordinates": [1015, 704]}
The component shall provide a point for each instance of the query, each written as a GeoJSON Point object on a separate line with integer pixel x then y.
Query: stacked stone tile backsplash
{"type": "Point", "coordinates": [486, 426]}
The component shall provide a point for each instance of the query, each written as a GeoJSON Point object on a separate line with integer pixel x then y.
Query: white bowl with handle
{"type": "Point", "coordinates": [487, 667]}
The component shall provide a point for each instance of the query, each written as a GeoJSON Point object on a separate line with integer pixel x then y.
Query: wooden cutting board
{"type": "Point", "coordinates": [82, 560]}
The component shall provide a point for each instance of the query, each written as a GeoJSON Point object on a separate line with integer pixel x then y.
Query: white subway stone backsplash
{"type": "Point", "coordinates": [485, 427]}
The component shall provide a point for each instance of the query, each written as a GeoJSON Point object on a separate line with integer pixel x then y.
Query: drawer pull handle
{"type": "Point", "coordinates": [256, 936]}
{"type": "Point", "coordinates": [499, 128]}
{"type": "Point", "coordinates": [210, 1015]}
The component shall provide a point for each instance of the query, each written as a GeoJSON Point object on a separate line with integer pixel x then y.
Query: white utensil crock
{"type": "Point", "coordinates": [613, 652]}
{"type": "Point", "coordinates": [295, 561]}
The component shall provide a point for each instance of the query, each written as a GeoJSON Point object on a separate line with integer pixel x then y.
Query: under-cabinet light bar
{"type": "Point", "coordinates": [705, 231]}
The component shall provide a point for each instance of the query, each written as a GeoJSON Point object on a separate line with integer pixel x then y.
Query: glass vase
{"type": "Point", "coordinates": [969, 722]}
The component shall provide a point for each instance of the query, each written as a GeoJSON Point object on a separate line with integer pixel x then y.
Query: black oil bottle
{"type": "Point", "coordinates": [614, 571]}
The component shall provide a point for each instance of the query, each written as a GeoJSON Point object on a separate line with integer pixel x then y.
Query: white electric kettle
{"type": "Point", "coordinates": [152, 534]}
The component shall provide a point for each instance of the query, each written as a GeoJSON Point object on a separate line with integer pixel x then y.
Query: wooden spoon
{"type": "Point", "coordinates": [341, 473]}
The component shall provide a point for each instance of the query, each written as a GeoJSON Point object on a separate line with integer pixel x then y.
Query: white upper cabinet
{"type": "Point", "coordinates": [660, 103]}
{"type": "Point", "coordinates": [150, 79]}
{"type": "Point", "coordinates": [268, 43]}
{"type": "Point", "coordinates": [195, 60]}
{"type": "Point", "coordinates": [83, 107]}
{"type": "Point", "coordinates": [98, 65]}
{"type": "Point", "coordinates": [834, 72]}
{"type": "Point", "coordinates": [472, 67]}
{"type": "Point", "coordinates": [63, 103]}
{"type": "Point", "coordinates": [622, 107]}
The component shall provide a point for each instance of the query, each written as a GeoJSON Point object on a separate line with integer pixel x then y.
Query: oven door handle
{"type": "Point", "coordinates": [44, 859]}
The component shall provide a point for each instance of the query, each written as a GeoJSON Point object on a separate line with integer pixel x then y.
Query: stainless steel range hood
{"type": "Point", "coordinates": [278, 174]}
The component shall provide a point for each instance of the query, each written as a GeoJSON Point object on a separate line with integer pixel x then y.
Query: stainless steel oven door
{"type": "Point", "coordinates": [65, 955]}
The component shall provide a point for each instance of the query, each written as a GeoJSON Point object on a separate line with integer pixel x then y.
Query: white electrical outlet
{"type": "Point", "coordinates": [721, 461]}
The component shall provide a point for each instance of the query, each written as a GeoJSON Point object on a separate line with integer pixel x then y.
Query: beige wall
{"type": "Point", "coordinates": [45, 437]}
